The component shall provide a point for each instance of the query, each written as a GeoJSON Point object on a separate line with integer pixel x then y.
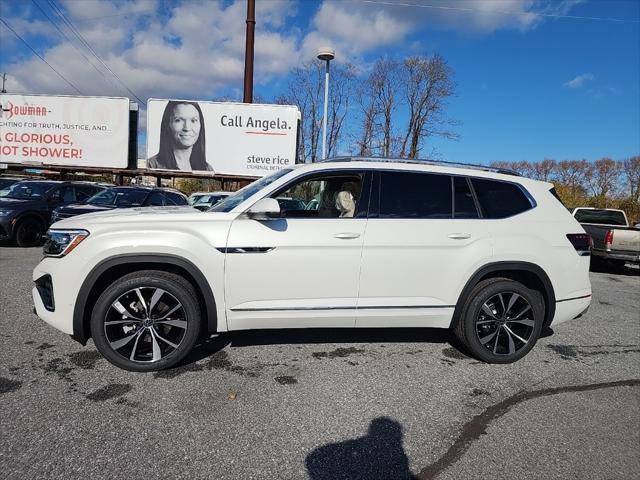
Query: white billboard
{"type": "Point", "coordinates": [64, 130]}
{"type": "Point", "coordinates": [220, 138]}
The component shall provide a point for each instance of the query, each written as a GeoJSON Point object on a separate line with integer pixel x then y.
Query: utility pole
{"type": "Point", "coordinates": [248, 52]}
{"type": "Point", "coordinates": [4, 79]}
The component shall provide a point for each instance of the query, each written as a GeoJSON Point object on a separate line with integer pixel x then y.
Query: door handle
{"type": "Point", "coordinates": [347, 235]}
{"type": "Point", "coordinates": [459, 236]}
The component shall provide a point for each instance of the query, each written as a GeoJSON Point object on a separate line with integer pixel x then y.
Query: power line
{"type": "Point", "coordinates": [70, 42]}
{"type": "Point", "coordinates": [86, 44]}
{"type": "Point", "coordinates": [469, 9]}
{"type": "Point", "coordinates": [39, 56]}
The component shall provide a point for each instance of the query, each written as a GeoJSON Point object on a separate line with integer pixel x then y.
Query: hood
{"type": "Point", "coordinates": [81, 208]}
{"type": "Point", "coordinates": [129, 216]}
{"type": "Point", "coordinates": [6, 202]}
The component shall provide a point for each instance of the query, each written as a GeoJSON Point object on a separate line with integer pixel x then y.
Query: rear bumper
{"type": "Point", "coordinates": [570, 308]}
{"type": "Point", "coordinates": [618, 256]}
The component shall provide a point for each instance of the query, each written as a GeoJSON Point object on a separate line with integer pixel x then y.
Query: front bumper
{"type": "Point", "coordinates": [54, 278]}
{"type": "Point", "coordinates": [6, 228]}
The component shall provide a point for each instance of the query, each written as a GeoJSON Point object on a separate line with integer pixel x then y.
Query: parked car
{"type": "Point", "coordinates": [194, 197]}
{"type": "Point", "coordinates": [121, 197]}
{"type": "Point", "coordinates": [208, 200]}
{"type": "Point", "coordinates": [6, 181]}
{"type": "Point", "coordinates": [614, 241]}
{"type": "Point", "coordinates": [493, 256]}
{"type": "Point", "coordinates": [26, 206]}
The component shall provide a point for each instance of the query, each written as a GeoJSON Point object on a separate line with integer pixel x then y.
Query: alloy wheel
{"type": "Point", "coordinates": [145, 324]}
{"type": "Point", "coordinates": [505, 323]}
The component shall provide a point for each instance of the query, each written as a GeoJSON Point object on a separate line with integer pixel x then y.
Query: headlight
{"type": "Point", "coordinates": [61, 242]}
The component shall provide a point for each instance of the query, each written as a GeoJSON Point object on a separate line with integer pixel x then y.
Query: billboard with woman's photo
{"type": "Point", "coordinates": [220, 138]}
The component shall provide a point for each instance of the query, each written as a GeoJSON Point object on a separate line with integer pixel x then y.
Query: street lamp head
{"type": "Point", "coordinates": [326, 53]}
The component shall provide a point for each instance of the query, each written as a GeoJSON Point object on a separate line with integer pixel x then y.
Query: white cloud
{"type": "Point", "coordinates": [192, 50]}
{"type": "Point", "coordinates": [579, 80]}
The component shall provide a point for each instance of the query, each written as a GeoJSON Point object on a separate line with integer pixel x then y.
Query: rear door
{"type": "Point", "coordinates": [424, 238]}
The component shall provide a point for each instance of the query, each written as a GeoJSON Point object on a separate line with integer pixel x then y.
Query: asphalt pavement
{"type": "Point", "coordinates": [322, 404]}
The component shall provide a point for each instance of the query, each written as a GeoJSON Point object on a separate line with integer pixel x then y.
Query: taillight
{"type": "Point", "coordinates": [608, 240]}
{"type": "Point", "coordinates": [581, 242]}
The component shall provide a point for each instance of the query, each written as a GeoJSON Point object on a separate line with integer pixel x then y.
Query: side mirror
{"type": "Point", "coordinates": [265, 209]}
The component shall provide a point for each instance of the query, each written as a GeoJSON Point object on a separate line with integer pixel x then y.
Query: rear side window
{"type": "Point", "coordinates": [415, 195]}
{"type": "Point", "coordinates": [463, 203]}
{"type": "Point", "coordinates": [500, 199]}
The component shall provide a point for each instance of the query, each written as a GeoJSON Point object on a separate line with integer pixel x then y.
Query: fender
{"type": "Point", "coordinates": [532, 268]}
{"type": "Point", "coordinates": [79, 330]}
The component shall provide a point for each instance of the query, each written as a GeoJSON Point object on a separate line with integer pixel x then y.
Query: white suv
{"type": "Point", "coordinates": [344, 243]}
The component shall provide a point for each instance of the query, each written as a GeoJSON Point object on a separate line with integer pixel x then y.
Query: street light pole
{"type": "Point", "coordinates": [327, 54]}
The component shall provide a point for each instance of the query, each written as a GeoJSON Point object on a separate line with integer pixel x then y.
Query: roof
{"type": "Point", "coordinates": [468, 166]}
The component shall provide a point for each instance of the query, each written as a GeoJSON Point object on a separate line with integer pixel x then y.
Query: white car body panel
{"type": "Point", "coordinates": [385, 273]}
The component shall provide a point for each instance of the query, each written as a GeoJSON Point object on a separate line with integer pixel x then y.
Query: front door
{"type": "Point", "coordinates": [301, 270]}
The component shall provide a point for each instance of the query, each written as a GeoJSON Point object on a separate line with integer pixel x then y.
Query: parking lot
{"type": "Point", "coordinates": [316, 404]}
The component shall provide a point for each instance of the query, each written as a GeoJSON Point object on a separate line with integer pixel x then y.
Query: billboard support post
{"type": "Point", "coordinates": [248, 52]}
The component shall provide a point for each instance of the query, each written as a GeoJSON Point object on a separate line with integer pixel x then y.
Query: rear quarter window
{"type": "Point", "coordinates": [500, 199]}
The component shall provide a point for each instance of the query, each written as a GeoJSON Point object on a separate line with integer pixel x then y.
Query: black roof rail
{"type": "Point", "coordinates": [442, 163]}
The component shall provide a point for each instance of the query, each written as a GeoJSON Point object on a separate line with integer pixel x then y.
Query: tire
{"type": "Point", "coordinates": [29, 232]}
{"type": "Point", "coordinates": [131, 339]}
{"type": "Point", "coordinates": [489, 334]}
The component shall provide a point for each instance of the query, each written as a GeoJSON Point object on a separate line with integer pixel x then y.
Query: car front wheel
{"type": "Point", "coordinates": [146, 321]}
{"type": "Point", "coordinates": [501, 320]}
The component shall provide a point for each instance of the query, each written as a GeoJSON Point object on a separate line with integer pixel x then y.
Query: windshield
{"type": "Point", "coordinates": [27, 190]}
{"type": "Point", "coordinates": [119, 197]}
{"type": "Point", "coordinates": [601, 217]}
{"type": "Point", "coordinates": [241, 195]}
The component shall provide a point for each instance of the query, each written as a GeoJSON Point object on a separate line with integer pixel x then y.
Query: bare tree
{"type": "Point", "coordinates": [604, 181]}
{"type": "Point", "coordinates": [341, 94]}
{"type": "Point", "coordinates": [631, 172]}
{"type": "Point", "coordinates": [427, 82]}
{"type": "Point", "coordinates": [544, 170]}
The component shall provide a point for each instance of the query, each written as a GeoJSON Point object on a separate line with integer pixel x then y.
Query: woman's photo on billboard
{"type": "Point", "coordinates": [182, 139]}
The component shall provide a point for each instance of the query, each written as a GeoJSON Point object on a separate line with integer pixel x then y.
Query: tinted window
{"type": "Point", "coordinates": [500, 199]}
{"type": "Point", "coordinates": [415, 195]}
{"type": "Point", "coordinates": [326, 196]}
{"type": "Point", "coordinates": [176, 198]}
{"type": "Point", "coordinates": [464, 205]}
{"type": "Point", "coordinates": [602, 217]}
{"type": "Point", "coordinates": [27, 190]}
{"type": "Point", "coordinates": [120, 197]}
{"type": "Point", "coordinates": [157, 199]}
{"type": "Point", "coordinates": [84, 192]}
{"type": "Point", "coordinates": [63, 194]}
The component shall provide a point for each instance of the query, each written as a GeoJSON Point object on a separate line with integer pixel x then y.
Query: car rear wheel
{"type": "Point", "coordinates": [146, 321]}
{"type": "Point", "coordinates": [501, 320]}
{"type": "Point", "coordinates": [29, 232]}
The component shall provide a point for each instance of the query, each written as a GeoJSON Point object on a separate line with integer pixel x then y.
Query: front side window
{"type": "Point", "coordinates": [156, 199]}
{"type": "Point", "coordinates": [415, 195]}
{"type": "Point", "coordinates": [500, 199]}
{"type": "Point", "coordinates": [322, 196]}
{"type": "Point", "coordinates": [241, 195]}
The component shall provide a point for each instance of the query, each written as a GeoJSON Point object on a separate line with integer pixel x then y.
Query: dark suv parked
{"type": "Point", "coordinates": [26, 206]}
{"type": "Point", "coordinates": [121, 197]}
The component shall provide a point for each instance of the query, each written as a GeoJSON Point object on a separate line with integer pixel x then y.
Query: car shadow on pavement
{"type": "Point", "coordinates": [377, 455]}
{"type": "Point", "coordinates": [604, 267]}
{"type": "Point", "coordinates": [339, 335]}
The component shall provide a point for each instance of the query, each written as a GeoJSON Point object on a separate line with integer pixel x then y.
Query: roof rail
{"type": "Point", "coordinates": [443, 163]}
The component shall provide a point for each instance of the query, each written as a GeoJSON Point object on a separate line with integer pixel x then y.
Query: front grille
{"type": "Point", "coordinates": [44, 285]}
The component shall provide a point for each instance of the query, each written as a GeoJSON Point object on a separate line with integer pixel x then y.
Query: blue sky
{"type": "Point", "coordinates": [533, 80]}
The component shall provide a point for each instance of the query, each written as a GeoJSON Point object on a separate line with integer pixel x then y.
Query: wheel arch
{"type": "Point", "coordinates": [529, 274]}
{"type": "Point", "coordinates": [115, 267]}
